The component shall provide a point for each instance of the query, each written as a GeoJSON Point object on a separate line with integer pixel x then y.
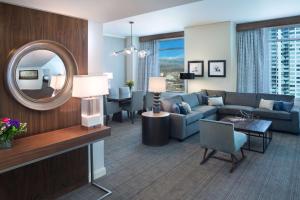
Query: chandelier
{"type": "Point", "coordinates": [131, 49]}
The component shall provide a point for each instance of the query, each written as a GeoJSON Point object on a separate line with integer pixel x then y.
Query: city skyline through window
{"type": "Point", "coordinates": [284, 48]}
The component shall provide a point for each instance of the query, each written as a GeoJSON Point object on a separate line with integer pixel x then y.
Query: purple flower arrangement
{"type": "Point", "coordinates": [9, 128]}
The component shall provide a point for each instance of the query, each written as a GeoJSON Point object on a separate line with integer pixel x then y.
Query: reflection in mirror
{"type": "Point", "coordinates": [41, 74]}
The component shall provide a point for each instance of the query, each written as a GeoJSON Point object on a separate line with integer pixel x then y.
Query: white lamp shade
{"type": "Point", "coordinates": [89, 86]}
{"type": "Point", "coordinates": [57, 82]}
{"type": "Point", "coordinates": [157, 84]}
{"type": "Point", "coordinates": [109, 75]}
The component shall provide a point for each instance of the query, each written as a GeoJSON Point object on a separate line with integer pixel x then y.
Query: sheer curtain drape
{"type": "Point", "coordinates": [253, 61]}
{"type": "Point", "coordinates": [148, 66]}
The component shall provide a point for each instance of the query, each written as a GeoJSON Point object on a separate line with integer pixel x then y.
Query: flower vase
{"type": "Point", "coordinates": [6, 144]}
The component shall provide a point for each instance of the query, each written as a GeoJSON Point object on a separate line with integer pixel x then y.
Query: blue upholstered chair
{"type": "Point", "coordinates": [220, 136]}
{"type": "Point", "coordinates": [110, 108]}
{"type": "Point", "coordinates": [136, 104]}
{"type": "Point", "coordinates": [148, 101]}
{"type": "Point", "coordinates": [124, 92]}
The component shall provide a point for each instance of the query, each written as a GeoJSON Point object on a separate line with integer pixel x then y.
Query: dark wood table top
{"type": "Point", "coordinates": [38, 147]}
{"type": "Point", "coordinates": [249, 125]}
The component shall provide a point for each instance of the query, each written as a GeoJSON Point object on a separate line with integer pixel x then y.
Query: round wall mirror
{"type": "Point", "coordinates": [39, 74]}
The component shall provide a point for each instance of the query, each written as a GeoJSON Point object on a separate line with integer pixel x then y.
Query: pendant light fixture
{"type": "Point", "coordinates": [131, 49]}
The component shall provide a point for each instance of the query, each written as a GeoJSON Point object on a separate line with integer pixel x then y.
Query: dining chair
{"type": "Point", "coordinates": [110, 108]}
{"type": "Point", "coordinates": [220, 136]}
{"type": "Point", "coordinates": [124, 92]}
{"type": "Point", "coordinates": [113, 92]}
{"type": "Point", "coordinates": [136, 104]}
{"type": "Point", "coordinates": [148, 101]}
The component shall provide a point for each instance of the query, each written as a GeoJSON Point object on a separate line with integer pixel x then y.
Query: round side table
{"type": "Point", "coordinates": [155, 128]}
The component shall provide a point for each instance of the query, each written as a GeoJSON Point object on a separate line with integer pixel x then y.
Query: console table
{"type": "Point", "coordinates": [28, 150]}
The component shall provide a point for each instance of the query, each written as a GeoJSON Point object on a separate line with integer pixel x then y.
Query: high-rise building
{"type": "Point", "coordinates": [284, 49]}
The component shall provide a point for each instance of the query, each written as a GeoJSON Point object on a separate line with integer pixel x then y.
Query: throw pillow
{"type": "Point", "coordinates": [205, 99]}
{"type": "Point", "coordinates": [175, 108]}
{"type": "Point", "coordinates": [215, 101]}
{"type": "Point", "coordinates": [182, 109]}
{"type": "Point", "coordinates": [187, 107]}
{"type": "Point", "coordinates": [266, 104]}
{"type": "Point", "coordinates": [287, 106]}
{"type": "Point", "coordinates": [278, 105]}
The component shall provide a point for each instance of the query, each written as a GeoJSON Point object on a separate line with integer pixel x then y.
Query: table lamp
{"type": "Point", "coordinates": [157, 85]}
{"type": "Point", "coordinates": [57, 82]}
{"type": "Point", "coordinates": [89, 88]}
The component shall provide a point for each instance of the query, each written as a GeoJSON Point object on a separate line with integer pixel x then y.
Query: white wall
{"type": "Point", "coordinates": [95, 46]}
{"type": "Point", "coordinates": [212, 42]}
{"type": "Point", "coordinates": [114, 64]}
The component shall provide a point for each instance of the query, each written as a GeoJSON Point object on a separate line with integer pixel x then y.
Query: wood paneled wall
{"type": "Point", "coordinates": [19, 26]}
{"type": "Point", "coordinates": [54, 176]}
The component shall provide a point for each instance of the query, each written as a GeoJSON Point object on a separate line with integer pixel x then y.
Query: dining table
{"type": "Point", "coordinates": [123, 101]}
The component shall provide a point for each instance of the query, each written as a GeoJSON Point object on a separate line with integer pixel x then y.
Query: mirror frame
{"type": "Point", "coordinates": [41, 104]}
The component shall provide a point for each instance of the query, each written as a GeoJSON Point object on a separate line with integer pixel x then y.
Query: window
{"type": "Point", "coordinates": [171, 62]}
{"type": "Point", "coordinates": [284, 49]}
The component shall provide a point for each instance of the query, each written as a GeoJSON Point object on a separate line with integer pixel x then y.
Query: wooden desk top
{"type": "Point", "coordinates": [38, 147]}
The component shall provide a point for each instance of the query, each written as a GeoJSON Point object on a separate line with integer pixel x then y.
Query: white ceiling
{"type": "Point", "coordinates": [99, 10]}
{"type": "Point", "coordinates": [203, 12]}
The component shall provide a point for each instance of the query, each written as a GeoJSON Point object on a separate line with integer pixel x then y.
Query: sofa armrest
{"type": "Point", "coordinates": [295, 109]}
{"type": "Point", "coordinates": [178, 125]}
{"type": "Point", "coordinates": [295, 112]}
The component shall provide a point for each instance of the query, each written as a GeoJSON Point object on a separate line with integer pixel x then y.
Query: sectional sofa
{"type": "Point", "coordinates": [183, 126]}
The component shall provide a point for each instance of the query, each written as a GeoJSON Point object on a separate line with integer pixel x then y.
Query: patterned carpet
{"type": "Point", "coordinates": [136, 171]}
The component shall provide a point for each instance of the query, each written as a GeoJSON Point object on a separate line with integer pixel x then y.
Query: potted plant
{"type": "Point", "coordinates": [130, 84]}
{"type": "Point", "coordinates": [10, 128]}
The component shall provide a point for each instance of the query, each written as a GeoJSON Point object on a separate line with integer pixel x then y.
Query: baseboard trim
{"type": "Point", "coordinates": [98, 173]}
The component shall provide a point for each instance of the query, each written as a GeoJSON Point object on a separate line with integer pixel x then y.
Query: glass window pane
{"type": "Point", "coordinates": [284, 60]}
{"type": "Point", "coordinates": [171, 60]}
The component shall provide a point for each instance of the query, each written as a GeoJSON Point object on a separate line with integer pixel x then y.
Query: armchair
{"type": "Point", "coordinates": [220, 136]}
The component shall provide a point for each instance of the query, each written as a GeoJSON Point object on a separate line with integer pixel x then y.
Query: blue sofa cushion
{"type": "Point", "coordinates": [193, 117]}
{"type": "Point", "coordinates": [200, 96]}
{"type": "Point", "coordinates": [182, 109]}
{"type": "Point", "coordinates": [278, 105]}
{"type": "Point", "coordinates": [243, 99]}
{"type": "Point", "coordinates": [166, 104]}
{"type": "Point", "coordinates": [283, 106]}
{"type": "Point", "coordinates": [287, 106]}
{"type": "Point", "coordinates": [206, 110]}
{"type": "Point", "coordinates": [272, 114]}
{"type": "Point", "coordinates": [191, 99]}
{"type": "Point", "coordinates": [175, 108]}
{"type": "Point", "coordinates": [234, 109]}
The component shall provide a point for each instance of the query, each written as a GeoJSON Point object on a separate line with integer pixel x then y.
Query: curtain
{"type": "Point", "coordinates": [253, 61]}
{"type": "Point", "coordinates": [148, 66]}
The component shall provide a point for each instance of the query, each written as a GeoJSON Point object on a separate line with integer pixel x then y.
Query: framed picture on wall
{"type": "Point", "coordinates": [217, 68]}
{"type": "Point", "coordinates": [196, 67]}
{"type": "Point", "coordinates": [28, 74]}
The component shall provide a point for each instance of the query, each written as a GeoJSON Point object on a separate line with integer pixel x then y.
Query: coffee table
{"type": "Point", "coordinates": [253, 128]}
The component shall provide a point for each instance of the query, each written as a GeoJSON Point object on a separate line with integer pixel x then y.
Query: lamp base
{"type": "Point", "coordinates": [156, 103]}
{"type": "Point", "coordinates": [90, 112]}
